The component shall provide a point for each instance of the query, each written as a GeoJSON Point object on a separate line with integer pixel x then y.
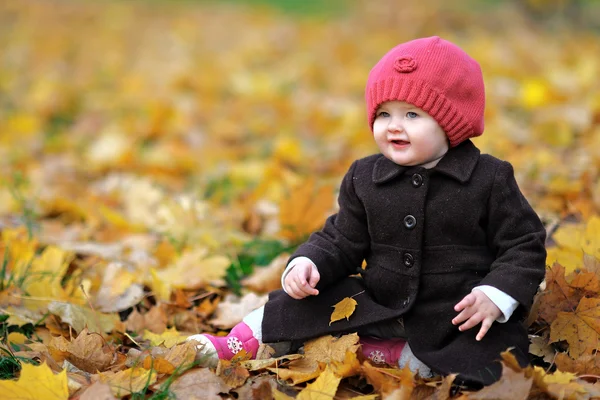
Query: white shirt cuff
{"type": "Point", "coordinates": [290, 266]}
{"type": "Point", "coordinates": [504, 302]}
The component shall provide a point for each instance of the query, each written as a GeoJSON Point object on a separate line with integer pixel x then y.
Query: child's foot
{"type": "Point", "coordinates": [382, 351]}
{"type": "Point", "coordinates": [214, 348]}
{"type": "Point", "coordinates": [393, 352]}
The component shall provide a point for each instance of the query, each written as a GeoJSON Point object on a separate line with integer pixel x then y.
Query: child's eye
{"type": "Point", "coordinates": [412, 114]}
{"type": "Point", "coordinates": [383, 114]}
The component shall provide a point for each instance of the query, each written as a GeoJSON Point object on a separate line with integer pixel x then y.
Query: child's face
{"type": "Point", "coordinates": [408, 135]}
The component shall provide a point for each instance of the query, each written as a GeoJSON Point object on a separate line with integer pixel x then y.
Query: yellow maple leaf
{"type": "Point", "coordinates": [36, 382]}
{"type": "Point", "coordinates": [194, 269]}
{"type": "Point", "coordinates": [343, 309]}
{"type": "Point", "coordinates": [556, 377]}
{"type": "Point", "coordinates": [323, 388]}
{"type": "Point", "coordinates": [129, 381]}
{"type": "Point", "coordinates": [168, 338]}
{"type": "Point", "coordinates": [581, 328]}
{"type": "Point", "coordinates": [349, 367]}
{"type": "Point", "coordinates": [305, 209]}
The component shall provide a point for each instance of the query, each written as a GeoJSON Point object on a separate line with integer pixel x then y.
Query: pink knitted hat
{"type": "Point", "coordinates": [436, 76]}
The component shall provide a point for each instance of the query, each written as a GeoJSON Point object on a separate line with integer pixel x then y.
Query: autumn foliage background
{"type": "Point", "coordinates": [159, 160]}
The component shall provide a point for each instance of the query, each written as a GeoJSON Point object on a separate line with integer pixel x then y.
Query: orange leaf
{"type": "Point", "coordinates": [343, 309]}
{"type": "Point", "coordinates": [512, 385]}
{"type": "Point", "coordinates": [581, 329]}
{"type": "Point", "coordinates": [558, 295]}
{"type": "Point", "coordinates": [305, 209]}
{"type": "Point", "coordinates": [585, 365]}
{"type": "Point", "coordinates": [160, 365]}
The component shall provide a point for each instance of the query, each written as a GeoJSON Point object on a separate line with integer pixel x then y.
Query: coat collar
{"type": "Point", "coordinates": [458, 163]}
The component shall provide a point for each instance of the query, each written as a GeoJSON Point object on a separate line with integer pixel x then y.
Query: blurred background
{"type": "Point", "coordinates": [111, 109]}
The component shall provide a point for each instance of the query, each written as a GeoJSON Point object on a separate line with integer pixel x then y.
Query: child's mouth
{"type": "Point", "coordinates": [400, 143]}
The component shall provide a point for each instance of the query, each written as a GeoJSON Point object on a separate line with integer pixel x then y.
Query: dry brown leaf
{"type": "Point", "coordinates": [326, 349]}
{"type": "Point", "coordinates": [257, 365]}
{"type": "Point", "coordinates": [233, 309]}
{"type": "Point", "coordinates": [540, 347]}
{"type": "Point", "coordinates": [198, 384]}
{"type": "Point", "coordinates": [59, 348]}
{"type": "Point", "coordinates": [581, 329]}
{"type": "Point", "coordinates": [388, 380]}
{"type": "Point", "coordinates": [267, 279]}
{"type": "Point", "coordinates": [232, 372]}
{"type": "Point", "coordinates": [584, 365]}
{"type": "Point", "coordinates": [181, 355]}
{"type": "Point", "coordinates": [89, 352]}
{"type": "Point", "coordinates": [587, 281]}
{"type": "Point", "coordinates": [97, 391]}
{"type": "Point", "coordinates": [512, 385]}
{"type": "Point", "coordinates": [558, 295]}
{"type": "Point", "coordinates": [344, 309]}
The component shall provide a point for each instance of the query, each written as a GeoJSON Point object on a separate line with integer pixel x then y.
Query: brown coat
{"type": "Point", "coordinates": [429, 237]}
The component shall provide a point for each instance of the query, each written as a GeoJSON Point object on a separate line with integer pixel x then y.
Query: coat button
{"type": "Point", "coordinates": [417, 180]}
{"type": "Point", "coordinates": [409, 260]}
{"type": "Point", "coordinates": [410, 222]}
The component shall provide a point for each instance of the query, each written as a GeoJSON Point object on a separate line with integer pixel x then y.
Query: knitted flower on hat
{"type": "Point", "coordinates": [438, 77]}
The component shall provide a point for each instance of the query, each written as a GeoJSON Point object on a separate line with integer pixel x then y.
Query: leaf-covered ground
{"type": "Point", "coordinates": [159, 161]}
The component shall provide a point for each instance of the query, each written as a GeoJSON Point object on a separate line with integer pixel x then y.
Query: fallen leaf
{"type": "Point", "coordinates": [388, 380]}
{"type": "Point", "coordinates": [233, 309]}
{"type": "Point", "coordinates": [160, 365]}
{"type": "Point", "coordinates": [581, 328]}
{"type": "Point", "coordinates": [558, 295]}
{"type": "Point", "coordinates": [304, 210]}
{"type": "Point", "coordinates": [35, 383]}
{"type": "Point", "coordinates": [559, 377]}
{"type": "Point", "coordinates": [326, 349]}
{"type": "Point", "coordinates": [512, 385]}
{"type": "Point", "coordinates": [268, 278]}
{"type": "Point", "coordinates": [540, 347]}
{"type": "Point", "coordinates": [298, 374]}
{"type": "Point", "coordinates": [343, 309]}
{"type": "Point", "coordinates": [349, 367]}
{"type": "Point", "coordinates": [79, 317]}
{"type": "Point", "coordinates": [97, 391]}
{"type": "Point", "coordinates": [257, 365]}
{"type": "Point", "coordinates": [168, 338]}
{"type": "Point", "coordinates": [129, 381]}
{"type": "Point", "coordinates": [588, 364]}
{"type": "Point", "coordinates": [181, 355]}
{"type": "Point", "coordinates": [16, 338]}
{"type": "Point", "coordinates": [232, 372]}
{"type": "Point", "coordinates": [323, 388]}
{"type": "Point", "coordinates": [89, 352]}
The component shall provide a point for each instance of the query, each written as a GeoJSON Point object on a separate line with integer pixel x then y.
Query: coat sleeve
{"type": "Point", "coordinates": [516, 237]}
{"type": "Point", "coordinates": [339, 248]}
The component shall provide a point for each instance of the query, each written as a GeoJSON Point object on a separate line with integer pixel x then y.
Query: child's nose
{"type": "Point", "coordinates": [395, 125]}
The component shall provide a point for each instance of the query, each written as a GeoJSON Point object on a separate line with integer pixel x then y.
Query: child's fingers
{"type": "Point", "coordinates": [467, 301]}
{"type": "Point", "coordinates": [463, 316]}
{"type": "Point", "coordinates": [485, 326]}
{"type": "Point", "coordinates": [304, 288]}
{"type": "Point", "coordinates": [471, 322]}
{"type": "Point", "coordinates": [314, 277]}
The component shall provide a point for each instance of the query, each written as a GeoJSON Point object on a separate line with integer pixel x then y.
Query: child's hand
{"type": "Point", "coordinates": [476, 307]}
{"type": "Point", "coordinates": [301, 281]}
